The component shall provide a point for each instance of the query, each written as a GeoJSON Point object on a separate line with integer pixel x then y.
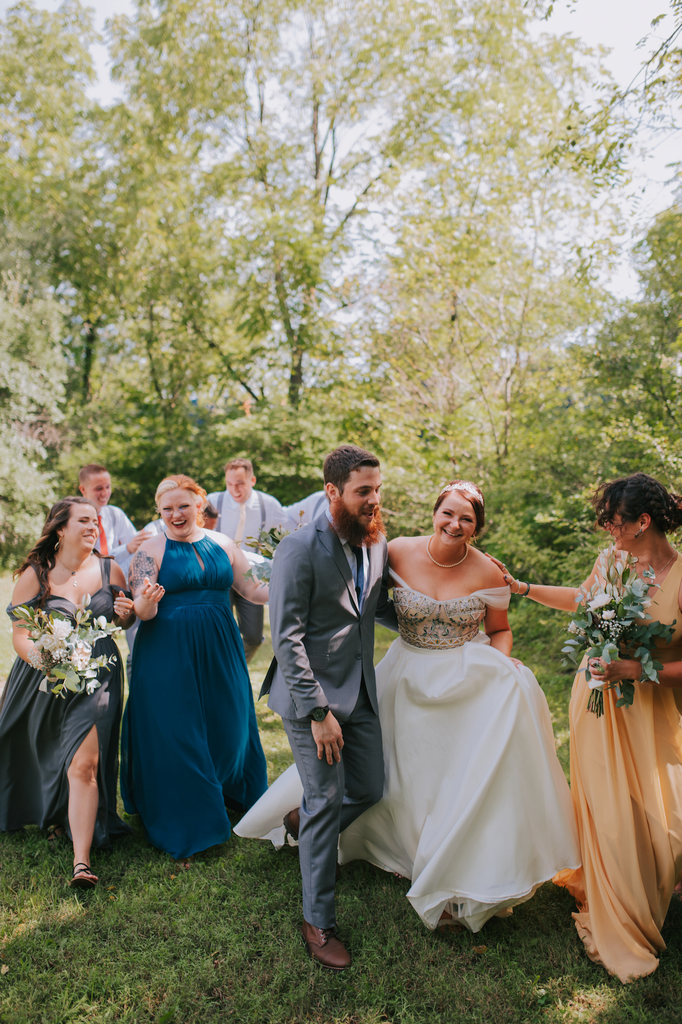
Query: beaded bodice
{"type": "Point", "coordinates": [441, 625]}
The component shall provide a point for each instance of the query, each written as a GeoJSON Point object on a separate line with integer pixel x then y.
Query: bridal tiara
{"type": "Point", "coordinates": [463, 486]}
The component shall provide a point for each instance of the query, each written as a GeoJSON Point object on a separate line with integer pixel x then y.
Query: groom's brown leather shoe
{"type": "Point", "coordinates": [292, 822]}
{"type": "Point", "coordinates": [325, 947]}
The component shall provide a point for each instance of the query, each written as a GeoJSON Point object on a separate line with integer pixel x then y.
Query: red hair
{"type": "Point", "coordinates": [472, 493]}
{"type": "Point", "coordinates": [183, 483]}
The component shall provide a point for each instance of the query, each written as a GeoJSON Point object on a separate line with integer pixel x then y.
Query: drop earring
{"type": "Point", "coordinates": [56, 547]}
{"type": "Point", "coordinates": [640, 531]}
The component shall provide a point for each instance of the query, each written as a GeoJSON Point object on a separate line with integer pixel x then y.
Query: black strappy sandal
{"type": "Point", "coordinates": [79, 879]}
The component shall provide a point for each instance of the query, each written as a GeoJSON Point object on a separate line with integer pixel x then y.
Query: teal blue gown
{"type": "Point", "coordinates": [190, 739]}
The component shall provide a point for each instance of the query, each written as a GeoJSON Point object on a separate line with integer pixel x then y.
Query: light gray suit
{"type": "Point", "coordinates": [324, 647]}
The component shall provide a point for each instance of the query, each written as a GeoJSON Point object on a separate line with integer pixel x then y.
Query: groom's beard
{"type": "Point", "coordinates": [352, 528]}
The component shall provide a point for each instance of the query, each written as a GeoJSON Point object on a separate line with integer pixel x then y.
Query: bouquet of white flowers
{"type": "Point", "coordinates": [63, 651]}
{"type": "Point", "coordinates": [610, 624]}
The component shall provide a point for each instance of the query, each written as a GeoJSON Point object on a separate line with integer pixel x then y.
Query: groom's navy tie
{"type": "Point", "coordinates": [359, 574]}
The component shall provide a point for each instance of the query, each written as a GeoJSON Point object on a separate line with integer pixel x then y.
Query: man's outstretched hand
{"type": "Point", "coordinates": [328, 738]}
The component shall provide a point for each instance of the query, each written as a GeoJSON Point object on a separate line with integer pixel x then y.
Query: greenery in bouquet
{"type": "Point", "coordinates": [62, 649]}
{"type": "Point", "coordinates": [612, 623]}
{"type": "Point", "coordinates": [266, 544]}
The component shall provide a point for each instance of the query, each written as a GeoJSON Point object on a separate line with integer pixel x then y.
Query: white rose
{"type": "Point", "coordinates": [599, 601]}
{"type": "Point", "coordinates": [53, 645]}
{"type": "Point", "coordinates": [61, 629]}
{"type": "Point", "coordinates": [608, 615]}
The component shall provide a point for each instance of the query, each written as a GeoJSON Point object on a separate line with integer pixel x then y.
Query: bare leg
{"type": "Point", "coordinates": [84, 796]}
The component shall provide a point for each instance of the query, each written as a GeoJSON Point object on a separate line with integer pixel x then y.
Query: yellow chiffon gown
{"type": "Point", "coordinates": [626, 785]}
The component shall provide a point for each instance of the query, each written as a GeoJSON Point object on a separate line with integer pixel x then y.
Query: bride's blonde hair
{"type": "Point", "coordinates": [183, 483]}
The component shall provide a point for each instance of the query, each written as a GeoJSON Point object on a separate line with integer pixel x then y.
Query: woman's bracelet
{"type": "Point", "coordinates": [527, 590]}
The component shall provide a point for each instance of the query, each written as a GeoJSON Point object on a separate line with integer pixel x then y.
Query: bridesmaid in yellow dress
{"type": "Point", "coordinates": [626, 767]}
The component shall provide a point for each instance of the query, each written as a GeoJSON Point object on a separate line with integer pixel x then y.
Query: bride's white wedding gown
{"type": "Point", "coordinates": [476, 810]}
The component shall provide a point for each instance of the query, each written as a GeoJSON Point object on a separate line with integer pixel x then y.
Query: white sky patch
{"type": "Point", "coordinates": [619, 26]}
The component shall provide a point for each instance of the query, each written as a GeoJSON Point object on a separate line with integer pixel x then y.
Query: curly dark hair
{"type": "Point", "coordinates": [632, 496]}
{"type": "Point", "coordinates": [41, 557]}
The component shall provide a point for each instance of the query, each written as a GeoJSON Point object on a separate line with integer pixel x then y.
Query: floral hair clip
{"type": "Point", "coordinates": [463, 486]}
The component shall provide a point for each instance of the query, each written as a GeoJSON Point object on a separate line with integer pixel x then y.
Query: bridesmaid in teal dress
{"type": "Point", "coordinates": [190, 743]}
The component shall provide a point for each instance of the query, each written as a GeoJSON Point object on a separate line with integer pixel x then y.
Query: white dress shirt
{"type": "Point", "coordinates": [232, 511]}
{"type": "Point", "coordinates": [352, 562]}
{"type": "Point", "coordinates": [311, 507]}
{"type": "Point", "coordinates": [118, 530]}
{"type": "Point", "coordinates": [156, 527]}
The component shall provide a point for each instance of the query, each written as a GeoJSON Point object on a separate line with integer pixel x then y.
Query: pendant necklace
{"type": "Point", "coordinates": [666, 565]}
{"type": "Point", "coordinates": [73, 573]}
{"type": "Point", "coordinates": [442, 564]}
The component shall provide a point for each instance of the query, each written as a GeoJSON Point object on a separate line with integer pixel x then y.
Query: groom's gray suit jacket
{"type": "Point", "coordinates": [323, 645]}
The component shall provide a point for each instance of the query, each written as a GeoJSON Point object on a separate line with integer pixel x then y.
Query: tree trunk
{"type": "Point", "coordinates": [296, 377]}
{"type": "Point", "coordinates": [88, 359]}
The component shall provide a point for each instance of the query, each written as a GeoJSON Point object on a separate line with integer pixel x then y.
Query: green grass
{"type": "Point", "coordinates": [219, 941]}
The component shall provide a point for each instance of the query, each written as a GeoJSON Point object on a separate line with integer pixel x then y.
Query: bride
{"type": "Point", "coordinates": [476, 811]}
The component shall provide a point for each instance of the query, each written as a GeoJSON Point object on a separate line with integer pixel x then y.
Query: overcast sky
{"type": "Point", "coordinates": [618, 25]}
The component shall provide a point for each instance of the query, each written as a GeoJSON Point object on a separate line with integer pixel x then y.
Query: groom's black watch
{"type": "Point", "coordinates": [319, 714]}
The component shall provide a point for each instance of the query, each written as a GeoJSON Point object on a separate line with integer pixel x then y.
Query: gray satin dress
{"type": "Point", "coordinates": [40, 733]}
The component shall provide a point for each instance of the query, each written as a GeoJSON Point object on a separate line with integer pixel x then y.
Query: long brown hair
{"type": "Point", "coordinates": [41, 558]}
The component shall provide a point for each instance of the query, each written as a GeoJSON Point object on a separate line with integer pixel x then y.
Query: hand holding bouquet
{"type": "Point", "coordinates": [610, 624]}
{"type": "Point", "coordinates": [63, 651]}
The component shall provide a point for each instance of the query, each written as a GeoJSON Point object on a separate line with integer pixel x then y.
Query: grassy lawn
{"type": "Point", "coordinates": [218, 941]}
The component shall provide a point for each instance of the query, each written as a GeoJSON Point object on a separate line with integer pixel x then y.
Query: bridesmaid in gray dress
{"type": "Point", "coordinates": [59, 756]}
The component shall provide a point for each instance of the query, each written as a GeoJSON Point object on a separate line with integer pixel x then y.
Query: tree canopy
{"type": "Point", "coordinates": [305, 223]}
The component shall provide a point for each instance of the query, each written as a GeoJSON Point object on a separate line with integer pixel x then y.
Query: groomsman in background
{"type": "Point", "coordinates": [210, 516]}
{"type": "Point", "coordinates": [243, 512]}
{"type": "Point", "coordinates": [117, 535]}
{"type": "Point", "coordinates": [308, 509]}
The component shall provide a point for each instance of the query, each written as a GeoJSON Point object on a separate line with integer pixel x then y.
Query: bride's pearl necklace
{"type": "Point", "coordinates": [442, 565]}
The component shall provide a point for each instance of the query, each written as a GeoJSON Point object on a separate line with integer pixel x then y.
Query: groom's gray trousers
{"type": "Point", "coordinates": [333, 797]}
{"type": "Point", "coordinates": [323, 641]}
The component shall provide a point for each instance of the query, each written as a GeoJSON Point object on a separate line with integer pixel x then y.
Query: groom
{"type": "Point", "coordinates": [329, 583]}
